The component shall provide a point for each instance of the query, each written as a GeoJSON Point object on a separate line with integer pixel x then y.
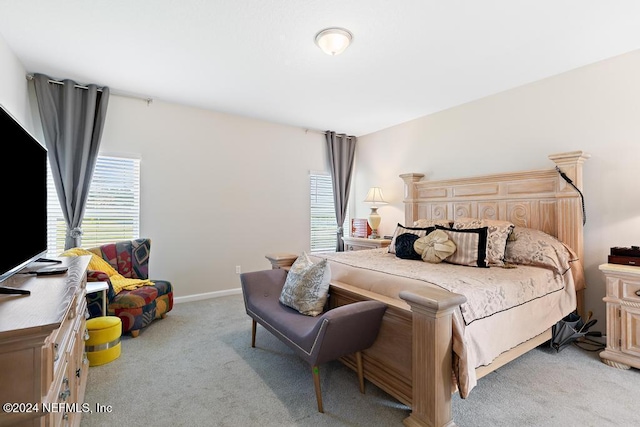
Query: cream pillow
{"type": "Point", "coordinates": [498, 233]}
{"type": "Point", "coordinates": [435, 246]}
{"type": "Point", "coordinates": [307, 286]}
{"type": "Point", "coordinates": [534, 247]}
{"type": "Point", "coordinates": [471, 246]}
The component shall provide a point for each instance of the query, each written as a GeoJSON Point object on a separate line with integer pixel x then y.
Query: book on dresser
{"type": "Point", "coordinates": [43, 366]}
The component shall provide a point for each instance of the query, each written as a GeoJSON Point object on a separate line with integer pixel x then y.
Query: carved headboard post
{"type": "Point", "coordinates": [570, 220]}
{"type": "Point", "coordinates": [410, 197]}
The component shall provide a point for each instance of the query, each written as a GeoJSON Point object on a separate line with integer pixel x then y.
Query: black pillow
{"type": "Point", "coordinates": [404, 246]}
{"type": "Point", "coordinates": [401, 229]}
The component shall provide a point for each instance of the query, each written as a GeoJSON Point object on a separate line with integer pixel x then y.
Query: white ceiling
{"type": "Point", "coordinates": [257, 58]}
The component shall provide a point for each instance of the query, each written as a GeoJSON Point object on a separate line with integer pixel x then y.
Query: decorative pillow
{"type": "Point", "coordinates": [498, 234]}
{"type": "Point", "coordinates": [471, 246]}
{"type": "Point", "coordinates": [535, 247]}
{"type": "Point", "coordinates": [401, 229]}
{"type": "Point", "coordinates": [434, 247]}
{"type": "Point", "coordinates": [424, 223]}
{"type": "Point", "coordinates": [307, 286]}
{"type": "Point", "coordinates": [405, 246]}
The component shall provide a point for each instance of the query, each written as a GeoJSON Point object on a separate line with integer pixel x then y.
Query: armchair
{"type": "Point", "coordinates": [136, 308]}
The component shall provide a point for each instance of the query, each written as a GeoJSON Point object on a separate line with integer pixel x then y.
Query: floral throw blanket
{"type": "Point", "coordinates": [488, 290]}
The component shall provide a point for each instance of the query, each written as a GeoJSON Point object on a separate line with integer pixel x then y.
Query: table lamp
{"type": "Point", "coordinates": [374, 196]}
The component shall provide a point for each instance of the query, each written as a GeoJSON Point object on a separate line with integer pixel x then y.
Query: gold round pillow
{"type": "Point", "coordinates": [435, 246]}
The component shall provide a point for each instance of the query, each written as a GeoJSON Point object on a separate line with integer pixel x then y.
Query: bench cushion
{"type": "Point", "coordinates": [284, 322]}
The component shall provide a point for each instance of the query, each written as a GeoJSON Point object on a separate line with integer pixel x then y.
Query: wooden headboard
{"type": "Point", "coordinates": [539, 199]}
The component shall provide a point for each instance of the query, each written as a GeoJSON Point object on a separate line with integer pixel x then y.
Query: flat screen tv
{"type": "Point", "coordinates": [23, 191]}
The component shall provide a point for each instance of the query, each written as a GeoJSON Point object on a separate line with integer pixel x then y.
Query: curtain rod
{"type": "Point", "coordinates": [79, 86]}
{"type": "Point", "coordinates": [324, 132]}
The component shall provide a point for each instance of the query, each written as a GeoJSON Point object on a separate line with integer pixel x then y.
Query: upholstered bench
{"type": "Point", "coordinates": [316, 339]}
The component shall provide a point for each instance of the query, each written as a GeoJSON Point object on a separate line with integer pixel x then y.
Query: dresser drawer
{"type": "Point", "coordinates": [62, 337]}
{"type": "Point", "coordinates": [630, 289]}
{"type": "Point", "coordinates": [59, 393]}
{"type": "Point", "coordinates": [624, 286]}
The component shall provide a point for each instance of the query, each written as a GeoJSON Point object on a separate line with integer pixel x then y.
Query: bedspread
{"type": "Point", "coordinates": [488, 290]}
{"type": "Point", "coordinates": [504, 308]}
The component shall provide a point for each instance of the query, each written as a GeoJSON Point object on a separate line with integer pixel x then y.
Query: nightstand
{"type": "Point", "coordinates": [623, 316]}
{"type": "Point", "coordinates": [360, 243]}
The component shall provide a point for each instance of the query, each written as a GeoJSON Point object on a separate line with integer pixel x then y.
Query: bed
{"type": "Point", "coordinates": [428, 345]}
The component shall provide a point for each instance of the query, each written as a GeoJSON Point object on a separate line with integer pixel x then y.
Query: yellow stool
{"type": "Point", "coordinates": [103, 345]}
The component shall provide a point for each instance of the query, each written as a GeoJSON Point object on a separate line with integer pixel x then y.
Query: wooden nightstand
{"type": "Point", "coordinates": [623, 316]}
{"type": "Point", "coordinates": [360, 243]}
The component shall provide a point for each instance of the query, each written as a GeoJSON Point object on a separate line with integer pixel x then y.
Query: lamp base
{"type": "Point", "coordinates": [374, 222]}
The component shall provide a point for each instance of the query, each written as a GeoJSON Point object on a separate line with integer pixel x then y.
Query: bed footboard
{"type": "Point", "coordinates": [412, 357]}
{"type": "Point", "coordinates": [432, 356]}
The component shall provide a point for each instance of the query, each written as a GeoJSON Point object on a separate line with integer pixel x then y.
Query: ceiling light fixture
{"type": "Point", "coordinates": [333, 41]}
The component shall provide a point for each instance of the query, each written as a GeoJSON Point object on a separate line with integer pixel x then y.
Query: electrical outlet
{"type": "Point", "coordinates": [237, 269]}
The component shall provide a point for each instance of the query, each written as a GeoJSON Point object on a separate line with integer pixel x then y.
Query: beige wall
{"type": "Point", "coordinates": [595, 108]}
{"type": "Point", "coordinates": [217, 190]}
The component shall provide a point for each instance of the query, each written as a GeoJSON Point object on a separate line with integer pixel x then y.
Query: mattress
{"type": "Point", "coordinates": [505, 306]}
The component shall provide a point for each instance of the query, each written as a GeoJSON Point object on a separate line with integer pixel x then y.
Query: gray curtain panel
{"type": "Point", "coordinates": [72, 120]}
{"type": "Point", "coordinates": [342, 150]}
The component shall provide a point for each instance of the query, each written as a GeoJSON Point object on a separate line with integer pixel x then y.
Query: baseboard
{"type": "Point", "coordinates": [208, 295]}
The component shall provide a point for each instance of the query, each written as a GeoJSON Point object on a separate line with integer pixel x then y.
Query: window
{"type": "Point", "coordinates": [113, 205]}
{"type": "Point", "coordinates": [323, 216]}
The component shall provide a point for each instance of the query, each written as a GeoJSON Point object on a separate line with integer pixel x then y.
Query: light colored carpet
{"type": "Point", "coordinates": [197, 368]}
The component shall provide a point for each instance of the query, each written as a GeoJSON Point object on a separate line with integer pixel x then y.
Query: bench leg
{"type": "Point", "coordinates": [316, 383]}
{"type": "Point", "coordinates": [253, 332]}
{"type": "Point", "coordinates": [360, 371]}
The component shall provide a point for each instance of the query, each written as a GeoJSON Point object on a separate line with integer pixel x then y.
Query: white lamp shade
{"type": "Point", "coordinates": [333, 41]}
{"type": "Point", "coordinates": [375, 197]}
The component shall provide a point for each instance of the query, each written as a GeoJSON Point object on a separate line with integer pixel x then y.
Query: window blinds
{"type": "Point", "coordinates": [113, 205]}
{"type": "Point", "coordinates": [323, 217]}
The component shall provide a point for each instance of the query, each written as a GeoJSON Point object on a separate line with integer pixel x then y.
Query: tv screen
{"type": "Point", "coordinates": [23, 189]}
